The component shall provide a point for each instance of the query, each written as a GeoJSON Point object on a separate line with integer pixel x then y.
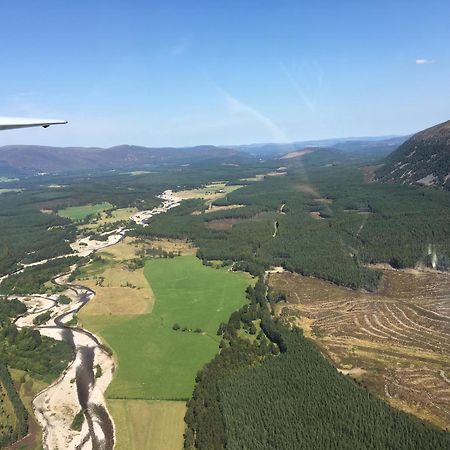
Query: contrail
{"type": "Point", "coordinates": [238, 107]}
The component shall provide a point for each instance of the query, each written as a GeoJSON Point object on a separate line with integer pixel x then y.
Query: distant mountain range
{"type": "Point", "coordinates": [423, 159]}
{"type": "Point", "coordinates": [381, 144]}
{"type": "Point", "coordinates": [18, 160]}
{"type": "Point", "coordinates": [29, 159]}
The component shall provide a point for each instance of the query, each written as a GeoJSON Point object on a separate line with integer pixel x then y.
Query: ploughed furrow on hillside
{"type": "Point", "coordinates": [396, 340]}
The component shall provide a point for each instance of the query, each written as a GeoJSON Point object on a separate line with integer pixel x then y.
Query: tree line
{"type": "Point", "coordinates": [252, 396]}
{"type": "Point", "coordinates": [10, 434]}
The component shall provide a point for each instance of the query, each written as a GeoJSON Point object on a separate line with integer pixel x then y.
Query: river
{"type": "Point", "coordinates": [82, 385]}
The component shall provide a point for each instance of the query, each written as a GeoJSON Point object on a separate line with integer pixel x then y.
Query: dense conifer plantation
{"type": "Point", "coordinates": [278, 392]}
{"type": "Point", "coordinates": [299, 400]}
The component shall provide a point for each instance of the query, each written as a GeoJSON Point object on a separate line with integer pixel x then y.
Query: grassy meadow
{"type": "Point", "coordinates": [149, 424]}
{"type": "Point", "coordinates": [80, 212]}
{"type": "Point", "coordinates": [154, 360]}
{"type": "Point", "coordinates": [114, 216]}
{"type": "Point", "coordinates": [211, 191]}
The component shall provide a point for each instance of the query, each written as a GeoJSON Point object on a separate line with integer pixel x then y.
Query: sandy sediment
{"type": "Point", "coordinates": [170, 200]}
{"type": "Point", "coordinates": [83, 384]}
{"type": "Point", "coordinates": [56, 407]}
{"type": "Point", "coordinates": [86, 246]}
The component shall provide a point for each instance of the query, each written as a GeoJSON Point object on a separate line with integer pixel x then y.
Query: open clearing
{"type": "Point", "coordinates": [5, 191]}
{"type": "Point", "coordinates": [128, 248]}
{"type": "Point", "coordinates": [136, 173]}
{"type": "Point", "coordinates": [297, 153]}
{"type": "Point", "coordinates": [213, 208]}
{"type": "Point", "coordinates": [224, 224]}
{"type": "Point", "coordinates": [259, 177]}
{"type": "Point", "coordinates": [396, 340]}
{"type": "Point", "coordinates": [119, 290]}
{"type": "Point", "coordinates": [155, 361]}
{"type": "Point", "coordinates": [172, 245]}
{"type": "Point", "coordinates": [107, 218]}
{"type": "Point", "coordinates": [212, 191]}
{"type": "Point", "coordinates": [80, 212]}
{"type": "Point", "coordinates": [316, 215]}
{"type": "Point", "coordinates": [147, 424]}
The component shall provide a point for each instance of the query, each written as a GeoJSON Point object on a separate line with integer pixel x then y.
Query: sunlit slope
{"type": "Point", "coordinates": [422, 159]}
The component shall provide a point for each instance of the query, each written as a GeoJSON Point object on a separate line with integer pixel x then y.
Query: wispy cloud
{"type": "Point", "coordinates": [422, 61]}
{"type": "Point", "coordinates": [306, 84]}
{"type": "Point", "coordinates": [237, 107]}
{"type": "Point", "coordinates": [180, 47]}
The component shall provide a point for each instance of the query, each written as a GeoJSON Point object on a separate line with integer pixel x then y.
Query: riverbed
{"type": "Point", "coordinates": [82, 385]}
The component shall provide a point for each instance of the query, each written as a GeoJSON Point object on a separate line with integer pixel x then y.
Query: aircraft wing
{"type": "Point", "coordinates": [9, 123]}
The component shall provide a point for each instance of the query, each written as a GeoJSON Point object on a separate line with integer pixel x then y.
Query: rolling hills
{"type": "Point", "coordinates": [17, 160]}
{"type": "Point", "coordinates": [30, 159]}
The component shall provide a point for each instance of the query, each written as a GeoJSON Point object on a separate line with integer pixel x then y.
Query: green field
{"type": "Point", "coordinates": [80, 212]}
{"type": "Point", "coordinates": [155, 361]}
{"type": "Point", "coordinates": [148, 424]}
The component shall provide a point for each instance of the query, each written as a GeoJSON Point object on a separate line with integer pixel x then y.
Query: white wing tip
{"type": "Point", "coordinates": [9, 123]}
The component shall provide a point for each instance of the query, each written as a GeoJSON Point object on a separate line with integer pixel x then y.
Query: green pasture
{"type": "Point", "coordinates": [154, 360]}
{"type": "Point", "coordinates": [80, 212]}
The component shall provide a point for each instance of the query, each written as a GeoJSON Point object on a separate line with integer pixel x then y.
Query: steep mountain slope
{"type": "Point", "coordinates": [33, 159]}
{"type": "Point", "coordinates": [423, 159]}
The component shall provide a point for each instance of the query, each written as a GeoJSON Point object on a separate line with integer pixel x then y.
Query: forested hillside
{"type": "Point", "coordinates": [422, 159]}
{"type": "Point", "coordinates": [329, 224]}
{"type": "Point", "coordinates": [30, 232]}
{"type": "Point", "coordinates": [299, 400]}
{"type": "Point", "coordinates": [314, 216]}
{"type": "Point", "coordinates": [27, 234]}
{"type": "Point", "coordinates": [29, 159]}
{"type": "Point", "coordinates": [273, 389]}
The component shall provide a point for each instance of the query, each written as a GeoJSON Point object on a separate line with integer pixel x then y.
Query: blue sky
{"type": "Point", "coordinates": [223, 72]}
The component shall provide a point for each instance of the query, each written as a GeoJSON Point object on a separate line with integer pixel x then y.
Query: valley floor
{"type": "Point", "coordinates": [159, 348]}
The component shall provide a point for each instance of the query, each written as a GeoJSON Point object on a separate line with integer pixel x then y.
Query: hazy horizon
{"type": "Point", "coordinates": [206, 144]}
